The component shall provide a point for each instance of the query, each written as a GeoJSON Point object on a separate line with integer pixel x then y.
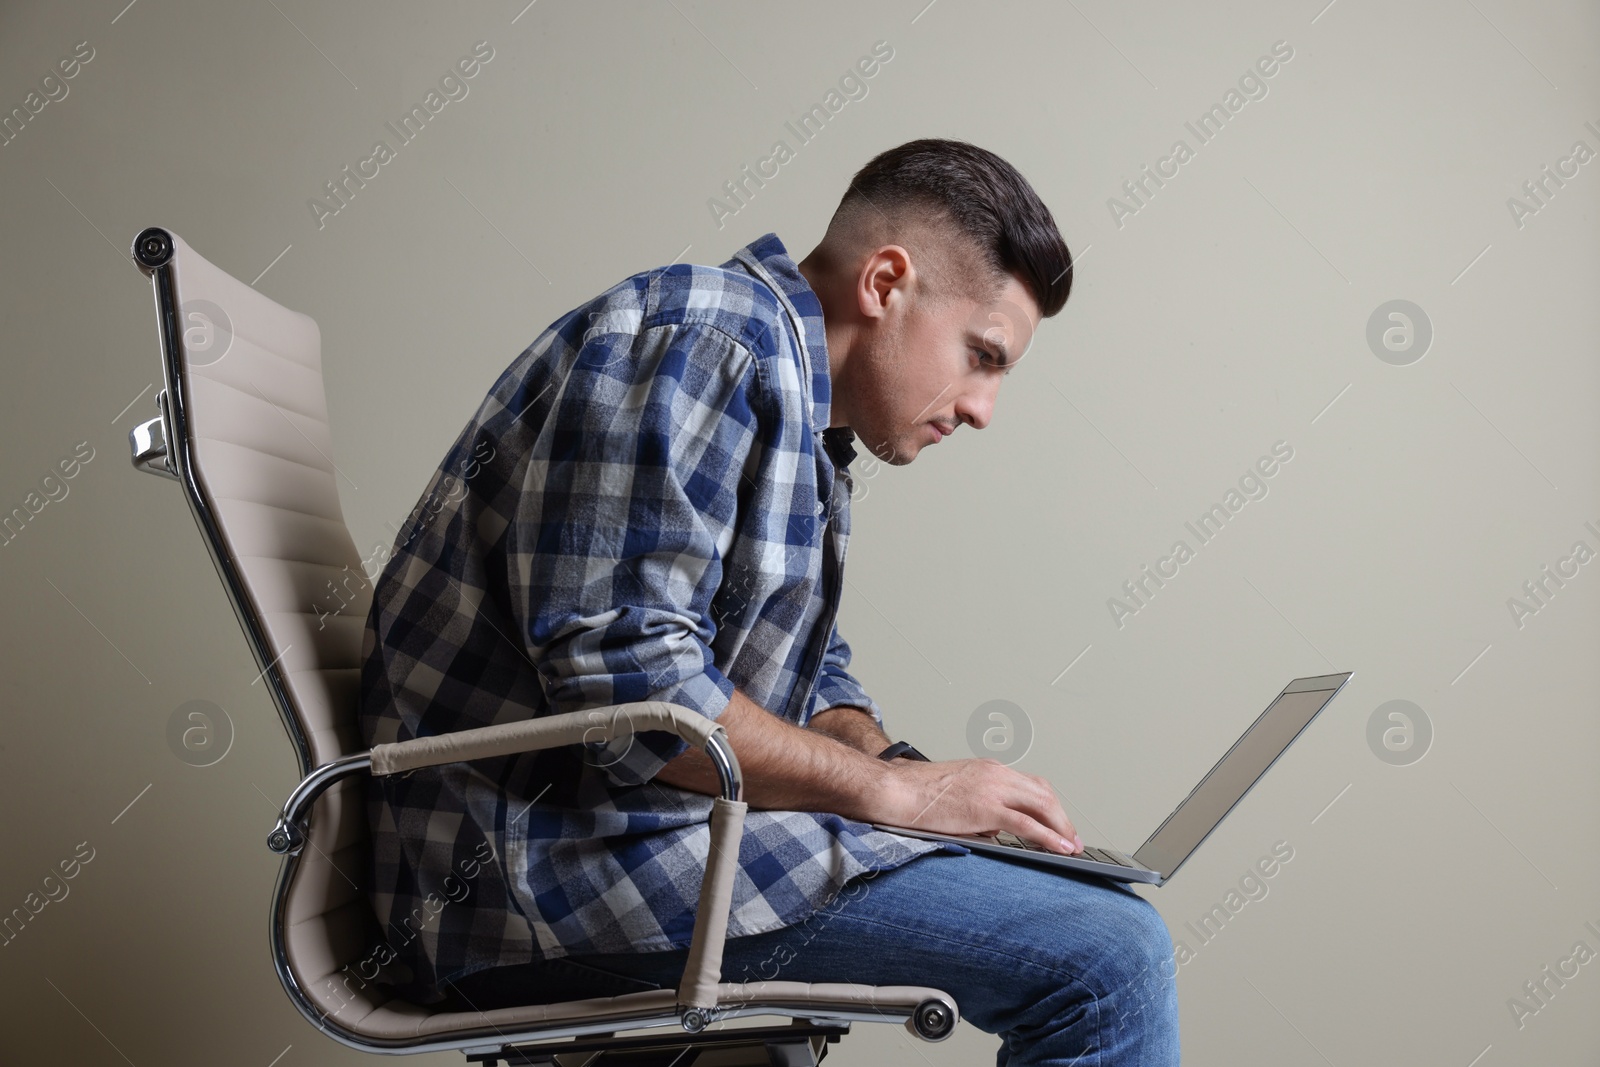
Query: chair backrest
{"type": "Point", "coordinates": [249, 438]}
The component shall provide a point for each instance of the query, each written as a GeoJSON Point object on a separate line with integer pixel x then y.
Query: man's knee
{"type": "Point", "coordinates": [1137, 980]}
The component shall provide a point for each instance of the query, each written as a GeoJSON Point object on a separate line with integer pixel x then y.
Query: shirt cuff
{"type": "Point", "coordinates": [835, 689]}
{"type": "Point", "coordinates": [634, 758]}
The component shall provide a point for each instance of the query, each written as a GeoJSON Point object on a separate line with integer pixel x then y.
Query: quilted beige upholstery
{"type": "Point", "coordinates": [263, 464]}
{"type": "Point", "coordinates": [262, 456]}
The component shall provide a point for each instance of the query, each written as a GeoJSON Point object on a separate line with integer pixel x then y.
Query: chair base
{"type": "Point", "coordinates": [799, 1044]}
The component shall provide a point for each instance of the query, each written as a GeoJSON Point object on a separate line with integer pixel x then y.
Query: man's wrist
{"type": "Point", "coordinates": [902, 750]}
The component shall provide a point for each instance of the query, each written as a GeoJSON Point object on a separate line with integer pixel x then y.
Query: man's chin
{"type": "Point", "coordinates": [895, 456]}
{"type": "Point", "coordinates": [899, 457]}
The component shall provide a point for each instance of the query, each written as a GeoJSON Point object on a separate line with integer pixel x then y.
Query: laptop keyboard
{"type": "Point", "coordinates": [1099, 855]}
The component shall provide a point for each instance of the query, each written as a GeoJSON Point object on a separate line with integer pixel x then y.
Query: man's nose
{"type": "Point", "coordinates": [975, 410]}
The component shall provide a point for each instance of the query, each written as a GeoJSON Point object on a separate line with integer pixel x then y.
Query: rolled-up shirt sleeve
{"type": "Point", "coordinates": [628, 506]}
{"type": "Point", "coordinates": [836, 685]}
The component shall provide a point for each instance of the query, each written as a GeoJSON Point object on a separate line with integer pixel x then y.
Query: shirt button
{"type": "Point", "coordinates": [820, 508]}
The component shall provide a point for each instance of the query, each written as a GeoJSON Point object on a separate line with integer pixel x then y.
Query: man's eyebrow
{"type": "Point", "coordinates": [999, 347]}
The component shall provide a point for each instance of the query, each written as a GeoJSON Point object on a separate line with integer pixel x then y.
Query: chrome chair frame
{"type": "Point", "coordinates": [164, 446]}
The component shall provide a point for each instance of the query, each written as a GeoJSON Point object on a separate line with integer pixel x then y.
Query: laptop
{"type": "Point", "coordinates": [1158, 859]}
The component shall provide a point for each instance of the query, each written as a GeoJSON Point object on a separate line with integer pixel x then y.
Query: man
{"type": "Point", "coordinates": [652, 503]}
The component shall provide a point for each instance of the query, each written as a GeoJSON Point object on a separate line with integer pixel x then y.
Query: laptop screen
{"type": "Point", "coordinates": [1236, 772]}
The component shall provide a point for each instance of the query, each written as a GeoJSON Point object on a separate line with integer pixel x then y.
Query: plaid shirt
{"type": "Point", "coordinates": [639, 510]}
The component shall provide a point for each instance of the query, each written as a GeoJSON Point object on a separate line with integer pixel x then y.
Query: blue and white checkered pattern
{"type": "Point", "coordinates": [639, 510]}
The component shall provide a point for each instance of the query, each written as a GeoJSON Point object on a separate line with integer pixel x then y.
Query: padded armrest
{"type": "Point", "coordinates": [552, 731]}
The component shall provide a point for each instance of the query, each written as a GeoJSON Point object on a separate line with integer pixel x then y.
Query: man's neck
{"type": "Point", "coordinates": [836, 336]}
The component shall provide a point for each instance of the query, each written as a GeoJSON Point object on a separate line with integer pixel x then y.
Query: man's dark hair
{"type": "Point", "coordinates": [986, 200]}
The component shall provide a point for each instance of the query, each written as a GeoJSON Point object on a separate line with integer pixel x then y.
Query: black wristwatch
{"type": "Point", "coordinates": [902, 748]}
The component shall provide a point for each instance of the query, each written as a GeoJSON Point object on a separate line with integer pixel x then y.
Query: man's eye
{"type": "Point", "coordinates": [985, 356]}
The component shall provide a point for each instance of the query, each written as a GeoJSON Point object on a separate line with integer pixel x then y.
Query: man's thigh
{"type": "Point", "coordinates": [1000, 936]}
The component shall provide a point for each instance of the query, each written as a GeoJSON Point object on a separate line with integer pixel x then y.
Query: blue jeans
{"type": "Point", "coordinates": [1067, 968]}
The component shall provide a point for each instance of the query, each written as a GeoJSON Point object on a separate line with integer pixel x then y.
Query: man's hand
{"type": "Point", "coordinates": [956, 796]}
{"type": "Point", "coordinates": [975, 796]}
{"type": "Point", "coordinates": [850, 725]}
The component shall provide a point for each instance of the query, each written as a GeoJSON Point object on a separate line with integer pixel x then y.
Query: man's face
{"type": "Point", "coordinates": [920, 364]}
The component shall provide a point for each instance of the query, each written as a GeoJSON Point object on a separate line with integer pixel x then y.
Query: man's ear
{"type": "Point", "coordinates": [885, 280]}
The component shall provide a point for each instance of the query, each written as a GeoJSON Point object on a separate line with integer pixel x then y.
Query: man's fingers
{"type": "Point", "coordinates": [1045, 837]}
{"type": "Point", "coordinates": [1029, 803]}
{"type": "Point", "coordinates": [1043, 820]}
{"type": "Point", "coordinates": [1046, 811]}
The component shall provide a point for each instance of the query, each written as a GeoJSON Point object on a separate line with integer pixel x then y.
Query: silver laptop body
{"type": "Point", "coordinates": [1175, 840]}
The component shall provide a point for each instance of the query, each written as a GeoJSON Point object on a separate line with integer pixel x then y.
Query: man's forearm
{"type": "Point", "coordinates": [852, 726]}
{"type": "Point", "coordinates": [785, 767]}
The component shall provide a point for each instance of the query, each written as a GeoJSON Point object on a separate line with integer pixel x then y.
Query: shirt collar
{"type": "Point", "coordinates": [767, 259]}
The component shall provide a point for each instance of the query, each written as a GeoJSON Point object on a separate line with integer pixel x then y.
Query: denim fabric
{"type": "Point", "coordinates": [1067, 968]}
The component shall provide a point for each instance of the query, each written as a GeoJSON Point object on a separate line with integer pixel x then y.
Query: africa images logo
{"type": "Point", "coordinates": [1205, 528]}
{"type": "Point", "coordinates": [852, 86]}
{"type": "Point", "coordinates": [452, 84]}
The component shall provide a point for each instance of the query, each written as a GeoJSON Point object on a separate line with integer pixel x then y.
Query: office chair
{"type": "Point", "coordinates": [243, 427]}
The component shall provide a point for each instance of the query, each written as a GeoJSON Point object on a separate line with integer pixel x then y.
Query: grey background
{"type": "Point", "coordinates": [1228, 313]}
